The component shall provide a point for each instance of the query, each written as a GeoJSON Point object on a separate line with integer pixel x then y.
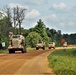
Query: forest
{"type": "Point", "coordinates": [32, 35]}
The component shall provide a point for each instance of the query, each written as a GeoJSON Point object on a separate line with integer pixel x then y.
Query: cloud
{"type": "Point", "coordinates": [53, 18]}
{"type": "Point", "coordinates": [61, 7]}
{"type": "Point", "coordinates": [36, 1]}
{"type": "Point", "coordinates": [32, 14]}
{"type": "Point", "coordinates": [12, 5]}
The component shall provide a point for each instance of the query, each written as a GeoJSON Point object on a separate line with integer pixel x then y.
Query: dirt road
{"type": "Point", "coordinates": [30, 63]}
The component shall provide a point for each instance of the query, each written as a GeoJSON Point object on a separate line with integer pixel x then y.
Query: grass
{"type": "Point", "coordinates": [4, 51]}
{"type": "Point", "coordinates": [63, 62]}
{"type": "Point", "coordinates": [29, 48]}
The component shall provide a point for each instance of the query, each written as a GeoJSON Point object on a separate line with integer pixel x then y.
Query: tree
{"type": "Point", "coordinates": [5, 25]}
{"type": "Point", "coordinates": [58, 37]}
{"type": "Point", "coordinates": [32, 39]}
{"type": "Point", "coordinates": [17, 15]}
{"type": "Point", "coordinates": [53, 32]}
{"type": "Point", "coordinates": [48, 32]}
{"type": "Point", "coordinates": [41, 29]}
{"type": "Point", "coordinates": [3, 39]}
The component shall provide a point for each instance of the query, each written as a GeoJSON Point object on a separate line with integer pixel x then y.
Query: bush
{"type": "Point", "coordinates": [32, 39]}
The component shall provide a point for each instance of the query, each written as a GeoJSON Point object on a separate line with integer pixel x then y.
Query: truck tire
{"type": "Point", "coordinates": [23, 50]}
{"type": "Point", "coordinates": [11, 51]}
{"type": "Point", "coordinates": [37, 48]}
{"type": "Point", "coordinates": [43, 48]}
{"type": "Point", "coordinates": [49, 48]}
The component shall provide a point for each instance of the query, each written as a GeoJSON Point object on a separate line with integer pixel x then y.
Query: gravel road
{"type": "Point", "coordinates": [30, 63]}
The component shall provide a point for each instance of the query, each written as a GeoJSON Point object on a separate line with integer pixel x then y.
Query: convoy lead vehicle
{"type": "Point", "coordinates": [17, 43]}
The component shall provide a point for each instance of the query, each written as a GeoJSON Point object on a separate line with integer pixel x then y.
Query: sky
{"type": "Point", "coordinates": [56, 14]}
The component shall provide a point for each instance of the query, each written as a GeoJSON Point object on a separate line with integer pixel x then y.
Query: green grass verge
{"type": "Point", "coordinates": [4, 51]}
{"type": "Point", "coordinates": [63, 62]}
{"type": "Point", "coordinates": [29, 48]}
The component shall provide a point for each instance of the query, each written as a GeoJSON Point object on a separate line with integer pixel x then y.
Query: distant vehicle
{"type": "Point", "coordinates": [52, 45]}
{"type": "Point", "coordinates": [17, 43]}
{"type": "Point", "coordinates": [65, 44]}
{"type": "Point", "coordinates": [40, 44]}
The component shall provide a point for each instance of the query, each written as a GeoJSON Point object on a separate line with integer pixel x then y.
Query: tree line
{"type": "Point", "coordinates": [32, 35]}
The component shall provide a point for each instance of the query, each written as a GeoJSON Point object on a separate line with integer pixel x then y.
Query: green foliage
{"type": "Point", "coordinates": [5, 26]}
{"type": "Point", "coordinates": [32, 39]}
{"type": "Point", "coordinates": [25, 32]}
{"type": "Point", "coordinates": [63, 62]}
{"type": "Point", "coordinates": [3, 39]}
{"type": "Point", "coordinates": [70, 38]}
{"type": "Point", "coordinates": [40, 28]}
{"type": "Point", "coordinates": [3, 51]}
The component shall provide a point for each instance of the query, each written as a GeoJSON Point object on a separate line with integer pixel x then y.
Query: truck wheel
{"type": "Point", "coordinates": [54, 47]}
{"type": "Point", "coordinates": [49, 48]}
{"type": "Point", "coordinates": [10, 51]}
{"type": "Point", "coordinates": [43, 48]}
{"type": "Point", "coordinates": [22, 51]}
{"type": "Point", "coordinates": [37, 48]}
{"type": "Point", "coordinates": [13, 51]}
{"type": "Point", "coordinates": [25, 50]}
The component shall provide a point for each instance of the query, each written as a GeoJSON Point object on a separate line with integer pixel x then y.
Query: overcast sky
{"type": "Point", "coordinates": [56, 14]}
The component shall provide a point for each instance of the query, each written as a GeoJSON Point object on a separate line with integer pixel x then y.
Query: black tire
{"type": "Point", "coordinates": [54, 47]}
{"type": "Point", "coordinates": [49, 48]}
{"type": "Point", "coordinates": [11, 51]}
{"type": "Point", "coordinates": [43, 48]}
{"type": "Point", "coordinates": [24, 49]}
{"type": "Point", "coordinates": [37, 48]}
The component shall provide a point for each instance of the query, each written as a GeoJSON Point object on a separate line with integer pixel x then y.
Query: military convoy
{"type": "Point", "coordinates": [16, 43]}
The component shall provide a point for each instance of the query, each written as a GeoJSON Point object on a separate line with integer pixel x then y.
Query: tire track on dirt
{"type": "Point", "coordinates": [37, 65]}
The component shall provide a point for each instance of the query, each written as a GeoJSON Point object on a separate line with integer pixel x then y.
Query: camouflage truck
{"type": "Point", "coordinates": [52, 45]}
{"type": "Point", "coordinates": [17, 43]}
{"type": "Point", "coordinates": [40, 44]}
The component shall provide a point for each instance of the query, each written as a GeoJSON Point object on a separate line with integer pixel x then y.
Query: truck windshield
{"type": "Point", "coordinates": [51, 43]}
{"type": "Point", "coordinates": [16, 36]}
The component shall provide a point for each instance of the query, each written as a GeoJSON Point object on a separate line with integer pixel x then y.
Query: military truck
{"type": "Point", "coordinates": [40, 44]}
{"type": "Point", "coordinates": [51, 45]}
{"type": "Point", "coordinates": [16, 43]}
{"type": "Point", "coordinates": [65, 44]}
